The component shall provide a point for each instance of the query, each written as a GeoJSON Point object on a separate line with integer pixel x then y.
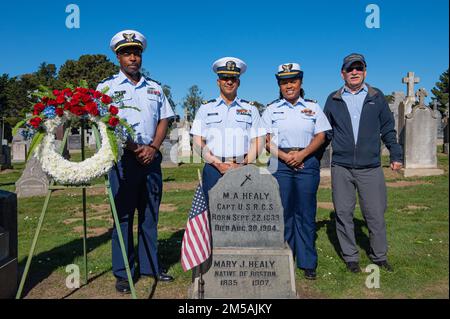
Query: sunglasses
{"type": "Point", "coordinates": [359, 68]}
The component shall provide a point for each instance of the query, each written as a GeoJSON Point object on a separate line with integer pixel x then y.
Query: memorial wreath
{"type": "Point", "coordinates": [69, 107]}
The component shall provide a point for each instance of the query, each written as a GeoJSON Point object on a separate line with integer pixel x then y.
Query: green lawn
{"type": "Point", "coordinates": [417, 219]}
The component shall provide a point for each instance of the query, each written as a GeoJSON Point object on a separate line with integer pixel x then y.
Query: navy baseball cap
{"type": "Point", "coordinates": [352, 58]}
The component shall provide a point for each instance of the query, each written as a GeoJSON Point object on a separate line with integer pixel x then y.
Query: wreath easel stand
{"type": "Point", "coordinates": [52, 187]}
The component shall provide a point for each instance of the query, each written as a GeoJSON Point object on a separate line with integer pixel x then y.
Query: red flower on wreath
{"type": "Point", "coordinates": [35, 122]}
{"type": "Point", "coordinates": [82, 90]}
{"type": "Point", "coordinates": [97, 94]}
{"type": "Point", "coordinates": [86, 98]}
{"type": "Point", "coordinates": [106, 99]}
{"type": "Point", "coordinates": [74, 101]}
{"type": "Point", "coordinates": [77, 110]}
{"type": "Point", "coordinates": [38, 108]}
{"type": "Point", "coordinates": [113, 121]}
{"type": "Point", "coordinates": [68, 92]}
{"type": "Point", "coordinates": [59, 111]}
{"type": "Point", "coordinates": [92, 108]}
{"type": "Point", "coordinates": [113, 110]}
{"type": "Point", "coordinates": [60, 99]}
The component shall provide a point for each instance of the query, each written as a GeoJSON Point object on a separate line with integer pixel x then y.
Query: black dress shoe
{"type": "Point", "coordinates": [310, 274]}
{"type": "Point", "coordinates": [123, 286]}
{"type": "Point", "coordinates": [165, 277]}
{"type": "Point", "coordinates": [384, 265]}
{"type": "Point", "coordinates": [353, 266]}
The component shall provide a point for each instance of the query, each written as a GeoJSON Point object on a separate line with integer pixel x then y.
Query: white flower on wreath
{"type": "Point", "coordinates": [74, 173]}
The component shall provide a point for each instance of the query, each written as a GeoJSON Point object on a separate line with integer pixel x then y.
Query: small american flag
{"type": "Point", "coordinates": [196, 245]}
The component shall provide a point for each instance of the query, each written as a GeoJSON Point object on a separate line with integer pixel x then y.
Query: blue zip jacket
{"type": "Point", "coordinates": [377, 123]}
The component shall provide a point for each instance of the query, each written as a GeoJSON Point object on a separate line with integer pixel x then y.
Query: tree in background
{"type": "Point", "coordinates": [441, 91]}
{"type": "Point", "coordinates": [389, 98]}
{"type": "Point", "coordinates": [192, 101]}
{"type": "Point", "coordinates": [261, 107]}
{"type": "Point", "coordinates": [45, 75]}
{"type": "Point", "coordinates": [90, 67]}
{"type": "Point", "coordinates": [16, 94]}
{"type": "Point", "coordinates": [4, 79]}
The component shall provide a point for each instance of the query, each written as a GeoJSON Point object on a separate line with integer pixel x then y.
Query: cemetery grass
{"type": "Point", "coordinates": [417, 223]}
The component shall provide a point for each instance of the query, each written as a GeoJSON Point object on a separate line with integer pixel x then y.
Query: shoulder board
{"type": "Point", "coordinates": [311, 100]}
{"type": "Point", "coordinates": [274, 101]}
{"type": "Point", "coordinates": [150, 79]}
{"type": "Point", "coordinates": [107, 79]}
{"type": "Point", "coordinates": [245, 101]}
{"type": "Point", "coordinates": [210, 101]}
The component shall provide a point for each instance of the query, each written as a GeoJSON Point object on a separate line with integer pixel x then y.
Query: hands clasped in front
{"type": "Point", "coordinates": [294, 159]}
{"type": "Point", "coordinates": [145, 154]}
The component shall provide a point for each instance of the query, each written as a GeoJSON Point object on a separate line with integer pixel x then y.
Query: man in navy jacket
{"type": "Point", "coordinates": [360, 118]}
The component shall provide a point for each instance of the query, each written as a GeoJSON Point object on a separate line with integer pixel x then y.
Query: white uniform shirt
{"type": "Point", "coordinates": [290, 126]}
{"type": "Point", "coordinates": [228, 129]}
{"type": "Point", "coordinates": [147, 96]}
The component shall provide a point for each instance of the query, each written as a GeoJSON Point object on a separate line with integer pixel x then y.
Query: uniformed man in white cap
{"type": "Point", "coordinates": [226, 129]}
{"type": "Point", "coordinates": [136, 180]}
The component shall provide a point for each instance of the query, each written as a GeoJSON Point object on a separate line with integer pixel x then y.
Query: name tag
{"type": "Point", "coordinates": [119, 94]}
{"type": "Point", "coordinates": [153, 91]}
{"type": "Point", "coordinates": [212, 114]}
{"type": "Point", "coordinates": [308, 112]}
{"type": "Point", "coordinates": [244, 112]}
{"type": "Point", "coordinates": [278, 112]}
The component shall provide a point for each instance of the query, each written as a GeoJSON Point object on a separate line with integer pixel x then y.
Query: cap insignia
{"type": "Point", "coordinates": [231, 65]}
{"type": "Point", "coordinates": [129, 36]}
{"type": "Point", "coordinates": [287, 67]}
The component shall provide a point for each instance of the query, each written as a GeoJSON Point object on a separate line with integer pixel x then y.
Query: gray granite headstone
{"type": "Point", "coordinates": [440, 123]}
{"type": "Point", "coordinates": [19, 152]}
{"type": "Point", "coordinates": [420, 141]}
{"type": "Point", "coordinates": [33, 182]}
{"type": "Point", "coordinates": [250, 258]}
{"type": "Point", "coordinates": [394, 106]}
{"type": "Point", "coordinates": [325, 162]}
{"type": "Point", "coordinates": [169, 154]}
{"type": "Point", "coordinates": [184, 142]}
{"type": "Point", "coordinates": [8, 244]}
{"type": "Point", "coordinates": [74, 142]}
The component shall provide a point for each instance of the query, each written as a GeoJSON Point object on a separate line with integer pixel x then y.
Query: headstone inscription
{"type": "Point", "coordinates": [250, 258]}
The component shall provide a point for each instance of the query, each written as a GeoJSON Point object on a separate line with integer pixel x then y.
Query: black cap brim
{"type": "Point", "coordinates": [289, 75]}
{"type": "Point", "coordinates": [349, 63]}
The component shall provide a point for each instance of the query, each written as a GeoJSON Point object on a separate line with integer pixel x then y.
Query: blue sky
{"type": "Point", "coordinates": [186, 37]}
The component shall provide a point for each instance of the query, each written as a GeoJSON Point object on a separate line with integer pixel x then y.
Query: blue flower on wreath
{"type": "Point", "coordinates": [49, 112]}
{"type": "Point", "coordinates": [27, 133]}
{"type": "Point", "coordinates": [102, 111]}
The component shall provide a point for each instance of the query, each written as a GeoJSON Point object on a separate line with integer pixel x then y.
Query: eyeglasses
{"type": "Point", "coordinates": [358, 68]}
